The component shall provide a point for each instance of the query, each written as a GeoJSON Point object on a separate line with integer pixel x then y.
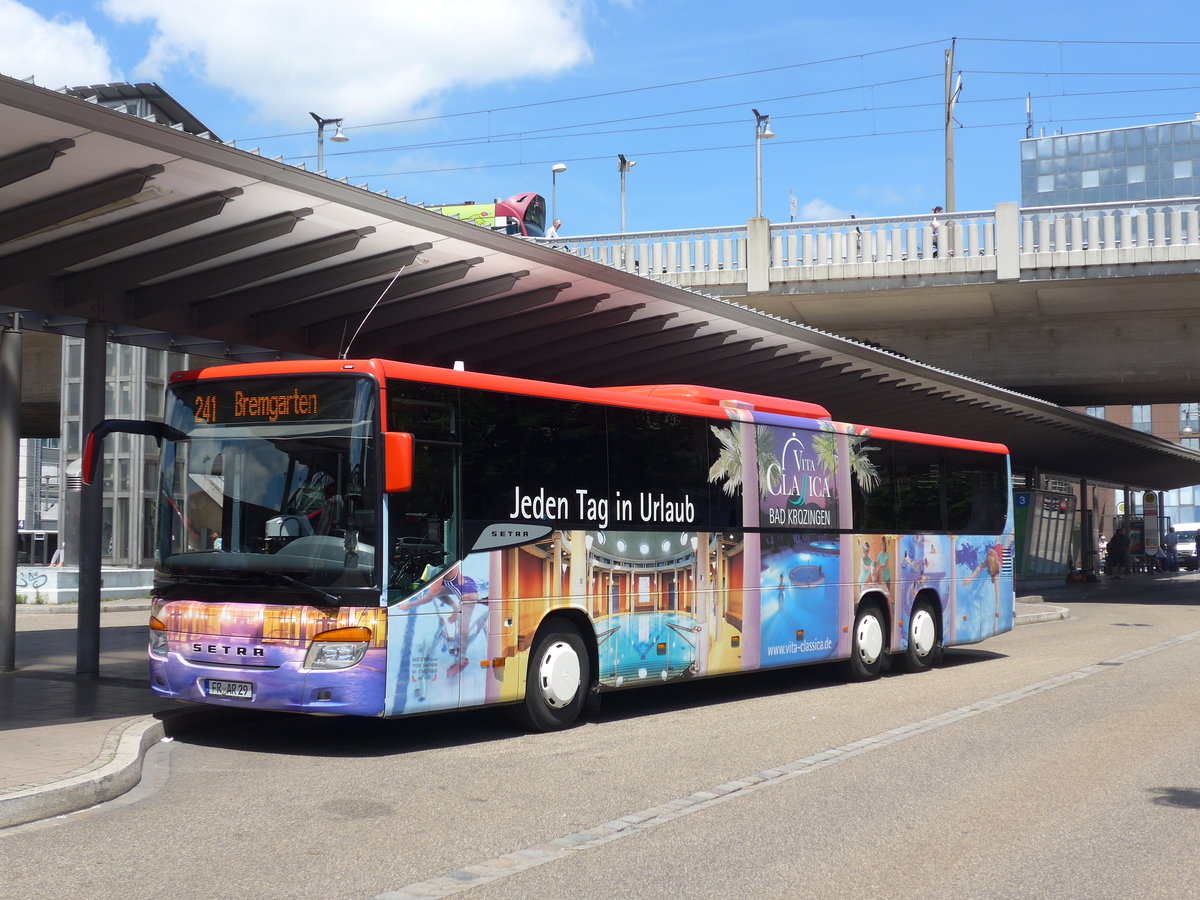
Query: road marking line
{"type": "Point", "coordinates": [490, 870]}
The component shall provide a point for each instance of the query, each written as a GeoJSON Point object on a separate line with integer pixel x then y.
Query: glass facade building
{"type": "Point", "coordinates": [1147, 162]}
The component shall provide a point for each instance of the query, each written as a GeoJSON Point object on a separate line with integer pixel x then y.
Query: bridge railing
{"type": "Point", "coordinates": [986, 243]}
{"type": "Point", "coordinates": [661, 252]}
{"type": "Point", "coordinates": [1143, 231]}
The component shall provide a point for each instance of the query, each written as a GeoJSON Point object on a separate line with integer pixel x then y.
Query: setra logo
{"type": "Point", "coordinates": [224, 650]}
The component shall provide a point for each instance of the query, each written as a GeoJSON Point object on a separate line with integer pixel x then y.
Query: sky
{"type": "Point", "coordinates": [445, 101]}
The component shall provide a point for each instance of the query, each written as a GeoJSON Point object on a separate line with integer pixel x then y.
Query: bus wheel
{"type": "Point", "coordinates": [556, 689]}
{"type": "Point", "coordinates": [923, 648]}
{"type": "Point", "coordinates": [866, 654]}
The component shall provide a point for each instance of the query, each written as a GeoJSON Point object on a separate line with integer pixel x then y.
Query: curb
{"type": "Point", "coordinates": [116, 770]}
{"type": "Point", "coordinates": [40, 609]}
{"type": "Point", "coordinates": [1052, 614]}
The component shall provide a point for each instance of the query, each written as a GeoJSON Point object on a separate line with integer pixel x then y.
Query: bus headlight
{"type": "Point", "coordinates": [158, 638]}
{"type": "Point", "coordinates": [340, 648]}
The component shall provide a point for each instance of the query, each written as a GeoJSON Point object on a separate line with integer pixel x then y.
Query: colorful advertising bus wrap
{"type": "Point", "coordinates": [522, 214]}
{"type": "Point", "coordinates": [382, 539]}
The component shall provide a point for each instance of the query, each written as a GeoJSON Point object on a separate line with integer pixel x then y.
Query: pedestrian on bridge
{"type": "Point", "coordinates": [934, 224]}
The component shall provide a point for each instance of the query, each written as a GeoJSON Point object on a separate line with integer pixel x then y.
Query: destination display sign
{"type": "Point", "coordinates": [270, 400]}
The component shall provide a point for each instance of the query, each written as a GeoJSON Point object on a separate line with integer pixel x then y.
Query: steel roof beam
{"type": "Point", "coordinates": [75, 204]}
{"type": "Point", "coordinates": [625, 365]}
{"type": "Point", "coordinates": [56, 256]}
{"type": "Point", "coordinates": [320, 309]}
{"type": "Point", "coordinates": [27, 163]}
{"type": "Point", "coordinates": [527, 328]}
{"type": "Point", "coordinates": [713, 363]}
{"type": "Point", "coordinates": [252, 300]}
{"type": "Point", "coordinates": [125, 274]}
{"type": "Point", "coordinates": [563, 329]}
{"type": "Point", "coordinates": [397, 313]}
{"type": "Point", "coordinates": [762, 367]}
{"type": "Point", "coordinates": [553, 350]}
{"type": "Point", "coordinates": [190, 288]}
{"type": "Point", "coordinates": [391, 315]}
{"type": "Point", "coordinates": [568, 359]}
{"type": "Point", "coordinates": [489, 315]}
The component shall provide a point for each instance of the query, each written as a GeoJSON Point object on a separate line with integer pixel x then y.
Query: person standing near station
{"type": "Point", "coordinates": [552, 231]}
{"type": "Point", "coordinates": [1172, 549]}
{"type": "Point", "coordinates": [1118, 553]}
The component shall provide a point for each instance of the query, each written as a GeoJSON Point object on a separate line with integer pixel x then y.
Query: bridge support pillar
{"type": "Point", "coordinates": [1008, 242]}
{"type": "Point", "coordinates": [758, 255]}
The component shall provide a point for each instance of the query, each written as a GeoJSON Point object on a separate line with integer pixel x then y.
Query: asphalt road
{"type": "Point", "coordinates": [1060, 760]}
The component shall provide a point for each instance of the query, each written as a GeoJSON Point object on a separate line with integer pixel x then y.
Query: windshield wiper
{"type": "Point", "coordinates": [332, 599]}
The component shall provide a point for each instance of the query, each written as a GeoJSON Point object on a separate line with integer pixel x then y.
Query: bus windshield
{"type": "Point", "coordinates": [274, 483]}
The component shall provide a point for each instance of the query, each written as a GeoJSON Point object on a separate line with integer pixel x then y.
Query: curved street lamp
{"type": "Point", "coordinates": [762, 132]}
{"type": "Point", "coordinates": [623, 166]}
{"type": "Point", "coordinates": [555, 170]}
{"type": "Point", "coordinates": [338, 137]}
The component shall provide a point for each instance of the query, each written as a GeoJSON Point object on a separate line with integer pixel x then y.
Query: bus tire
{"type": "Point", "coordinates": [924, 648]}
{"type": "Point", "coordinates": [557, 687]}
{"type": "Point", "coordinates": [869, 643]}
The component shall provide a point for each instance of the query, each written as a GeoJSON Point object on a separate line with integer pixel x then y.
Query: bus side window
{"type": "Point", "coordinates": [423, 522]}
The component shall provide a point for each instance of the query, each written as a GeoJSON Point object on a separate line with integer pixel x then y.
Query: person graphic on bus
{"type": "Point", "coordinates": [463, 623]}
{"type": "Point", "coordinates": [993, 563]}
{"type": "Point", "coordinates": [866, 564]}
{"type": "Point", "coordinates": [882, 561]}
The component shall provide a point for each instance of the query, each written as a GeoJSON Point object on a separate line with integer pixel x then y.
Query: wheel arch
{"type": "Point", "coordinates": [934, 599]}
{"type": "Point", "coordinates": [583, 624]}
{"type": "Point", "coordinates": [879, 600]}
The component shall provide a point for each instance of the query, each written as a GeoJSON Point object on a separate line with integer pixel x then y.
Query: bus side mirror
{"type": "Point", "coordinates": [397, 462]}
{"type": "Point", "coordinates": [93, 446]}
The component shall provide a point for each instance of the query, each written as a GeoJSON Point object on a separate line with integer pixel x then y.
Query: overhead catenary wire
{"type": "Point", "coordinates": [543, 134]}
{"type": "Point", "coordinates": [592, 128]}
{"type": "Point", "coordinates": [742, 146]}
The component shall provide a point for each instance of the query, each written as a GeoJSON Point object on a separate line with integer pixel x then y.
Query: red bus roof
{"type": "Point", "coordinates": [684, 399]}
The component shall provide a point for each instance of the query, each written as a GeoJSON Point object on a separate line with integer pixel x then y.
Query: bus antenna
{"type": "Point", "coordinates": [346, 350]}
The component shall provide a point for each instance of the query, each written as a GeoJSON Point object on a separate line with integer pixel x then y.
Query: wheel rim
{"type": "Point", "coordinates": [558, 674]}
{"type": "Point", "coordinates": [870, 638]}
{"type": "Point", "coordinates": [922, 633]}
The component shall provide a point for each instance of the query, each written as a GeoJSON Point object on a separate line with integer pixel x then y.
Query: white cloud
{"type": "Point", "coordinates": [56, 52]}
{"type": "Point", "coordinates": [817, 210]}
{"type": "Point", "coordinates": [364, 60]}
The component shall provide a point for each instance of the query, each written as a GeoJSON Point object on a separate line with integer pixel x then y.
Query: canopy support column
{"type": "Point", "coordinates": [91, 507]}
{"type": "Point", "coordinates": [10, 465]}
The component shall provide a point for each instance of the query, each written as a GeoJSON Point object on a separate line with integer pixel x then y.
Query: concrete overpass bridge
{"type": "Point", "coordinates": [1083, 305]}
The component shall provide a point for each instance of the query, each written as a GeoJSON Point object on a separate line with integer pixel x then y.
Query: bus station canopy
{"type": "Point", "coordinates": [176, 241]}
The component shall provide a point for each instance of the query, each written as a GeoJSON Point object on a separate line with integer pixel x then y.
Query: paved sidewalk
{"type": "Point", "coordinates": [68, 742]}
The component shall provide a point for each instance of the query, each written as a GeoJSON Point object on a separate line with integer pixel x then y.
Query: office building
{"type": "Point", "coordinates": [1145, 162]}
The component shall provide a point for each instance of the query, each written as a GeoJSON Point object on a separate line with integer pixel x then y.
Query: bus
{"type": "Point", "coordinates": [379, 538]}
{"type": "Point", "coordinates": [520, 214]}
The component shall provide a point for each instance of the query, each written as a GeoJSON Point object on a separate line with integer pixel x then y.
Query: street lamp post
{"type": "Point", "coordinates": [338, 137]}
{"type": "Point", "coordinates": [554, 173]}
{"type": "Point", "coordinates": [762, 132]}
{"type": "Point", "coordinates": [623, 166]}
